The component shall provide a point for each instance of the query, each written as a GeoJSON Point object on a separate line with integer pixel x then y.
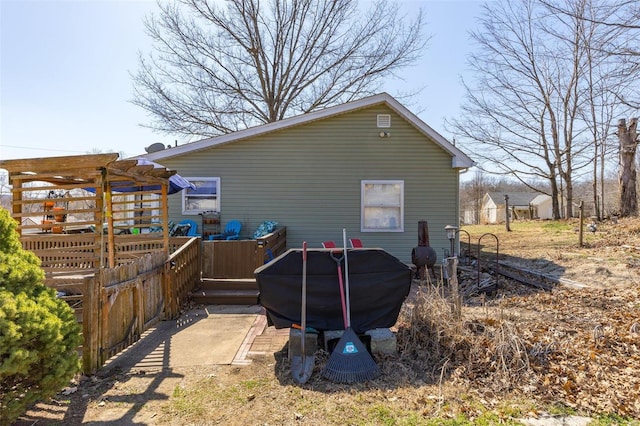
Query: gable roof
{"type": "Point", "coordinates": [516, 199]}
{"type": "Point", "coordinates": [459, 159]}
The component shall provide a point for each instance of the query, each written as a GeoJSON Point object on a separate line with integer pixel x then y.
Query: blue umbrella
{"type": "Point", "coordinates": [176, 182]}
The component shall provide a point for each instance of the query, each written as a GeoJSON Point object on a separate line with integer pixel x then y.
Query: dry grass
{"type": "Point", "coordinates": [433, 338]}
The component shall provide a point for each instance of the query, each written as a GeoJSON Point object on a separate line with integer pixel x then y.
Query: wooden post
{"type": "Point", "coordinates": [169, 301]}
{"type": "Point", "coordinates": [101, 277]}
{"type": "Point", "coordinates": [17, 204]}
{"type": "Point", "coordinates": [110, 237]}
{"type": "Point", "coordinates": [451, 265]}
{"type": "Point", "coordinates": [91, 327]}
{"type": "Point", "coordinates": [98, 220]}
{"type": "Point", "coordinates": [580, 232]}
{"type": "Point", "coordinates": [506, 212]}
{"type": "Point", "coordinates": [165, 217]}
{"type": "Point", "coordinates": [139, 299]}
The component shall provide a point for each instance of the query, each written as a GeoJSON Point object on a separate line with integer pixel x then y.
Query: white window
{"type": "Point", "coordinates": [382, 206]}
{"type": "Point", "coordinates": [206, 196]}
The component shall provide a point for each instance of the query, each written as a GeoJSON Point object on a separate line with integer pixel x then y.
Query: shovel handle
{"type": "Point", "coordinates": [303, 310]}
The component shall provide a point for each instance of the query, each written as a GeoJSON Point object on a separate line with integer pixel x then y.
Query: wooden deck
{"type": "Point", "coordinates": [228, 266]}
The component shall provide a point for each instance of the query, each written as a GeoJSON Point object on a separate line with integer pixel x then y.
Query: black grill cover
{"type": "Point", "coordinates": [379, 284]}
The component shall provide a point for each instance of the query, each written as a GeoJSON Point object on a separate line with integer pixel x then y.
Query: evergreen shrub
{"type": "Point", "coordinates": [39, 334]}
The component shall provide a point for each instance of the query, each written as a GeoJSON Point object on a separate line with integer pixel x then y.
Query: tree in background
{"type": "Point", "coordinates": [628, 137]}
{"type": "Point", "coordinates": [526, 114]}
{"type": "Point", "coordinates": [624, 22]}
{"type": "Point", "coordinates": [216, 69]}
{"type": "Point", "coordinates": [612, 65]}
{"type": "Point", "coordinates": [39, 334]}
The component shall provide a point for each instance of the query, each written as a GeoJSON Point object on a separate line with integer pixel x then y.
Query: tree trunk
{"type": "Point", "coordinates": [594, 185]}
{"type": "Point", "coordinates": [555, 196]}
{"type": "Point", "coordinates": [602, 171]}
{"type": "Point", "coordinates": [628, 139]}
{"type": "Point", "coordinates": [569, 206]}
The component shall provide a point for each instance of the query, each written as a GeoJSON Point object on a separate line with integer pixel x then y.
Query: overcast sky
{"type": "Point", "coordinates": [65, 69]}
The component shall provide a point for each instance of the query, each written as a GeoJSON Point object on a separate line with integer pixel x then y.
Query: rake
{"type": "Point", "coordinates": [350, 362]}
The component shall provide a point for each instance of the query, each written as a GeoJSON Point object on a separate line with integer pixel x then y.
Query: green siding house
{"type": "Point", "coordinates": [369, 166]}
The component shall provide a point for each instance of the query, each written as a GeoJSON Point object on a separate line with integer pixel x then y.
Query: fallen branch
{"type": "Point", "coordinates": [518, 276]}
{"type": "Point", "coordinates": [551, 278]}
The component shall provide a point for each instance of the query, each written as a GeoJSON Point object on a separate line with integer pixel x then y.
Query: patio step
{"type": "Point", "coordinates": [224, 291]}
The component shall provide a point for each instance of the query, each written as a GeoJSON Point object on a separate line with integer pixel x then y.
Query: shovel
{"type": "Point", "coordinates": [302, 365]}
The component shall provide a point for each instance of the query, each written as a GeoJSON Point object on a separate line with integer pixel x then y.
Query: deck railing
{"type": "Point", "coordinates": [182, 273]}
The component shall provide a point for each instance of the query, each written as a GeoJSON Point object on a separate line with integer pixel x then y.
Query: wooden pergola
{"type": "Point", "coordinates": [111, 220]}
{"type": "Point", "coordinates": [100, 229]}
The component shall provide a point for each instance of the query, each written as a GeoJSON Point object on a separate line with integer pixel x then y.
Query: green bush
{"type": "Point", "coordinates": [39, 335]}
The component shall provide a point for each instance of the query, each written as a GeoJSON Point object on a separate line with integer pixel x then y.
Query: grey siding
{"type": "Point", "coordinates": [308, 179]}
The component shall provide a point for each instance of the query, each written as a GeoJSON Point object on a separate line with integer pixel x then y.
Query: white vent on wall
{"type": "Point", "coordinates": [384, 120]}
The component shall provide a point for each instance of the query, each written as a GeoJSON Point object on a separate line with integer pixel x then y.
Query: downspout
{"type": "Point", "coordinates": [460, 172]}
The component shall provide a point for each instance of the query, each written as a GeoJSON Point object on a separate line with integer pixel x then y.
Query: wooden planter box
{"type": "Point", "coordinates": [238, 259]}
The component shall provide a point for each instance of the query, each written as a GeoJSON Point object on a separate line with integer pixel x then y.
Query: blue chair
{"type": "Point", "coordinates": [193, 227]}
{"type": "Point", "coordinates": [231, 231]}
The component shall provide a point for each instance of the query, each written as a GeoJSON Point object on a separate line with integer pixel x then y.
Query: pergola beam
{"type": "Point", "coordinates": [99, 172]}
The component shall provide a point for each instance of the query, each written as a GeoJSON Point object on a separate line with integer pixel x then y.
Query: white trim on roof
{"type": "Point", "coordinates": [459, 159]}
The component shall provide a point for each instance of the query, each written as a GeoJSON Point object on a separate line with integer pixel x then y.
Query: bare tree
{"type": "Point", "coordinates": [611, 70]}
{"type": "Point", "coordinates": [622, 19]}
{"type": "Point", "coordinates": [218, 68]}
{"type": "Point", "coordinates": [628, 137]}
{"type": "Point", "coordinates": [525, 114]}
{"type": "Point", "coordinates": [604, 83]}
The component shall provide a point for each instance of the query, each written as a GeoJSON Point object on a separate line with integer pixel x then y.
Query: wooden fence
{"type": "Point", "coordinates": [116, 305]}
{"type": "Point", "coordinates": [238, 259]}
{"type": "Point", "coordinates": [123, 302]}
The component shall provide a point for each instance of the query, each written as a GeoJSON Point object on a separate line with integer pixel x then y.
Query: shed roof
{"type": "Point", "coordinates": [459, 159]}
{"type": "Point", "coordinates": [516, 199]}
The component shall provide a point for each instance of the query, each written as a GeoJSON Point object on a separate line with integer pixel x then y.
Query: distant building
{"type": "Point", "coordinates": [28, 221]}
{"type": "Point", "coordinates": [522, 205]}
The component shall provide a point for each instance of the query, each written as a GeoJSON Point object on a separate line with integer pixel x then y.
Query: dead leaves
{"type": "Point", "coordinates": [584, 339]}
{"type": "Point", "coordinates": [581, 347]}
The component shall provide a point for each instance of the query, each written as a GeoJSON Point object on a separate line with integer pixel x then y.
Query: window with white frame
{"type": "Point", "coordinates": [382, 206]}
{"type": "Point", "coordinates": [205, 196]}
